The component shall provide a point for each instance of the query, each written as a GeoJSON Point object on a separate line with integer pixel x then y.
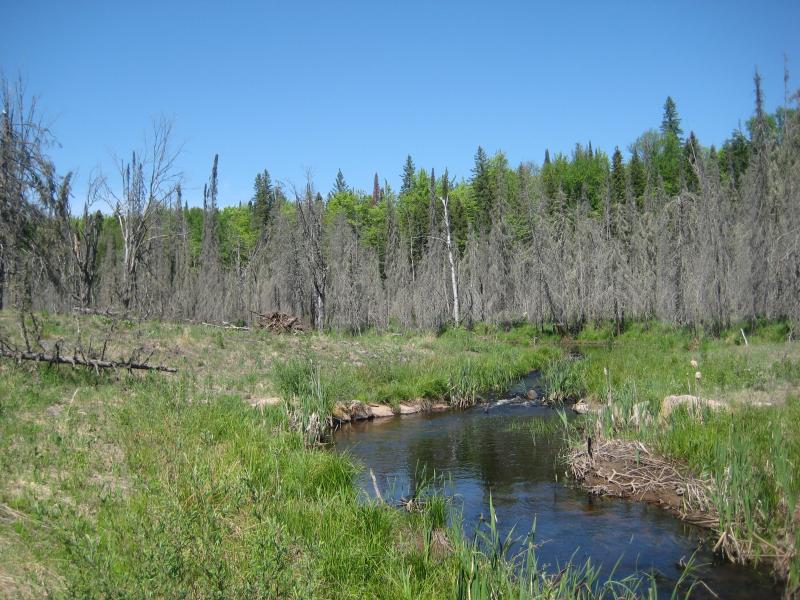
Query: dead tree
{"type": "Point", "coordinates": [30, 195]}
{"type": "Point", "coordinates": [445, 200]}
{"type": "Point", "coordinates": [149, 183]}
{"type": "Point", "coordinates": [309, 216]}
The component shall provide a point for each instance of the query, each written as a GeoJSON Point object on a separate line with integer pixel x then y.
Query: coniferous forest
{"type": "Point", "coordinates": [664, 228]}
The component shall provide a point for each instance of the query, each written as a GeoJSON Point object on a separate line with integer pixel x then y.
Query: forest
{"type": "Point", "coordinates": [666, 228]}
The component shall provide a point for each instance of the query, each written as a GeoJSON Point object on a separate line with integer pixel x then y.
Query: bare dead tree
{"type": "Point", "coordinates": [445, 200]}
{"type": "Point", "coordinates": [148, 184]}
{"type": "Point", "coordinates": [309, 209]}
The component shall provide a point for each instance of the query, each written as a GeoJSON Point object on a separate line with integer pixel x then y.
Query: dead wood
{"type": "Point", "coordinates": [278, 322]}
{"type": "Point", "coordinates": [226, 325]}
{"type": "Point", "coordinates": [627, 469]}
{"type": "Point", "coordinates": [78, 361]}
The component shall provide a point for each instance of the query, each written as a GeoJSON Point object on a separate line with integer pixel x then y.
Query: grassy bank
{"type": "Point", "coordinates": [151, 485]}
{"type": "Point", "coordinates": [120, 484]}
{"type": "Point", "coordinates": [750, 449]}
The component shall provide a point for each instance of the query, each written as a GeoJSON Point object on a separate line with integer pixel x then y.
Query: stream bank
{"type": "Point", "coordinates": [510, 451]}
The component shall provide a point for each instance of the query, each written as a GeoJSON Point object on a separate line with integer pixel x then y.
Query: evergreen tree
{"type": "Point", "coordinates": [671, 122]}
{"type": "Point", "coordinates": [618, 182]}
{"type": "Point", "coordinates": [734, 156]}
{"type": "Point", "coordinates": [546, 156]}
{"type": "Point", "coordinates": [263, 201]}
{"type": "Point", "coordinates": [409, 173]}
{"type": "Point", "coordinates": [691, 156]}
{"type": "Point", "coordinates": [376, 190]}
{"type": "Point", "coordinates": [432, 228]}
{"type": "Point", "coordinates": [638, 177]}
{"type": "Point", "coordinates": [482, 190]}
{"type": "Point", "coordinates": [340, 185]}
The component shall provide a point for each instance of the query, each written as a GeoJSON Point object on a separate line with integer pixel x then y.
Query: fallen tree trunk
{"type": "Point", "coordinates": [227, 326]}
{"type": "Point", "coordinates": [77, 361]}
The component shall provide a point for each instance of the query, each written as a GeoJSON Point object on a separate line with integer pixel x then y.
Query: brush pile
{"type": "Point", "coordinates": [278, 322]}
{"type": "Point", "coordinates": [627, 469]}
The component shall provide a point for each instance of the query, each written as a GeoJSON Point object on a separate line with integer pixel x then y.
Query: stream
{"type": "Point", "coordinates": [490, 451]}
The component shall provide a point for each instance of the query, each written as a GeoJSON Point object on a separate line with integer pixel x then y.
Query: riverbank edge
{"type": "Point", "coordinates": [347, 412]}
{"type": "Point", "coordinates": [597, 471]}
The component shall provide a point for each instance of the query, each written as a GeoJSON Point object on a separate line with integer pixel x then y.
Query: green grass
{"type": "Point", "coordinates": [751, 452]}
{"type": "Point", "coordinates": [161, 486]}
{"type": "Point", "coordinates": [138, 485]}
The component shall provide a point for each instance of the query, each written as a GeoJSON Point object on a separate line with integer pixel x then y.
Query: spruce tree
{"type": "Point", "coordinates": [691, 154]}
{"type": "Point", "coordinates": [638, 177]}
{"type": "Point", "coordinates": [482, 190]}
{"type": "Point", "coordinates": [432, 226]}
{"type": "Point", "coordinates": [671, 122]}
{"type": "Point", "coordinates": [263, 201]}
{"type": "Point", "coordinates": [340, 185]}
{"type": "Point", "coordinates": [618, 182]}
{"type": "Point", "coordinates": [376, 190]}
{"type": "Point", "coordinates": [408, 176]}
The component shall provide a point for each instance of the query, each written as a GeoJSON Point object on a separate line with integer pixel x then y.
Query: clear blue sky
{"type": "Point", "coordinates": [357, 86]}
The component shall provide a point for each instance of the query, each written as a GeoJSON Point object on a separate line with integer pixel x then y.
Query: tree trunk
{"type": "Point", "coordinates": [453, 280]}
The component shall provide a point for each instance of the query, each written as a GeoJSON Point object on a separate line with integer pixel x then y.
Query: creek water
{"type": "Point", "coordinates": [490, 451]}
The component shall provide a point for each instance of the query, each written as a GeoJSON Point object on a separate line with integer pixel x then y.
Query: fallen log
{"type": "Point", "coordinates": [227, 326]}
{"type": "Point", "coordinates": [78, 361]}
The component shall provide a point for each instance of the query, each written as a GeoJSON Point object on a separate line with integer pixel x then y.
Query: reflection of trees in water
{"type": "Point", "coordinates": [497, 456]}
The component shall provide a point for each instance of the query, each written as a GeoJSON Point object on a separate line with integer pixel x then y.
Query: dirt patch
{"type": "Point", "coordinates": [627, 469]}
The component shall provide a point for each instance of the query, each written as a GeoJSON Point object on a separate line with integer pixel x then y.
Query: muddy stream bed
{"type": "Point", "coordinates": [490, 450]}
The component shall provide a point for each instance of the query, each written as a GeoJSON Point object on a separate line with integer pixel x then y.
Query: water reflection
{"type": "Point", "coordinates": [494, 454]}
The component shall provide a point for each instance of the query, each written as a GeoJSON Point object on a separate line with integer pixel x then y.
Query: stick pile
{"type": "Point", "coordinates": [627, 469]}
{"type": "Point", "coordinates": [278, 322]}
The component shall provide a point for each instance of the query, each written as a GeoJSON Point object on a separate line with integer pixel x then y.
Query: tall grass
{"type": "Point", "coordinates": [751, 454]}
{"type": "Point", "coordinates": [487, 569]}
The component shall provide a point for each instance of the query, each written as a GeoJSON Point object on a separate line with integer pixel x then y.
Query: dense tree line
{"type": "Point", "coordinates": [677, 231]}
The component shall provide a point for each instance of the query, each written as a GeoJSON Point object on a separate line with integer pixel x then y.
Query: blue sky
{"type": "Point", "coordinates": [291, 86]}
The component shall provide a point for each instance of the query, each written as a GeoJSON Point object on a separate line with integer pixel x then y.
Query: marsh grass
{"type": "Point", "coordinates": [152, 486]}
{"type": "Point", "coordinates": [164, 486]}
{"type": "Point", "coordinates": [488, 569]}
{"type": "Point", "coordinates": [751, 453]}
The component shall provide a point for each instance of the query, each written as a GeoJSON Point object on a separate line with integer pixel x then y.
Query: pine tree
{"type": "Point", "coordinates": [671, 122]}
{"type": "Point", "coordinates": [340, 185]}
{"type": "Point", "coordinates": [546, 156]}
{"type": "Point", "coordinates": [408, 176]}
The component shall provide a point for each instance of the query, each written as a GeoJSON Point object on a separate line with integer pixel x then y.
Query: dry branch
{"type": "Point", "coordinates": [77, 361]}
{"type": "Point", "coordinates": [225, 325]}
{"type": "Point", "coordinates": [627, 469]}
{"type": "Point", "coordinates": [278, 322]}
